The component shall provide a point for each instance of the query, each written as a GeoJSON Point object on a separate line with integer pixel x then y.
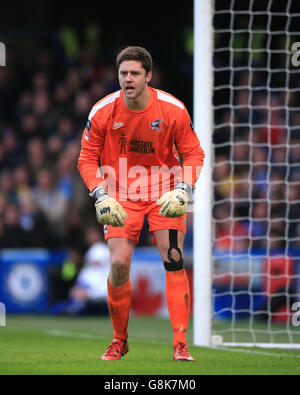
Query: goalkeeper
{"type": "Point", "coordinates": [142, 128]}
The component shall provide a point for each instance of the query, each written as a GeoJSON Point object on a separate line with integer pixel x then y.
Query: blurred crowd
{"type": "Point", "coordinates": [43, 202]}
{"type": "Point", "coordinates": [44, 106]}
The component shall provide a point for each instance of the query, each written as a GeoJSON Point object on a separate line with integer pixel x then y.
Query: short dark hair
{"type": "Point", "coordinates": [135, 53]}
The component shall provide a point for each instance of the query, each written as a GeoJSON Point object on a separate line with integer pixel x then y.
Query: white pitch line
{"type": "Point", "coordinates": [57, 332]}
{"type": "Point", "coordinates": [61, 333]}
{"type": "Point", "coordinates": [269, 354]}
{"type": "Point", "coordinates": [78, 335]}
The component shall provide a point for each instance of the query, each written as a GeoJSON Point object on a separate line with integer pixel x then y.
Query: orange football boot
{"type": "Point", "coordinates": [116, 350]}
{"type": "Point", "coordinates": [181, 353]}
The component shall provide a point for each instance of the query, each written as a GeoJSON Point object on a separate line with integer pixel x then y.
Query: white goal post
{"type": "Point", "coordinates": [247, 200]}
{"type": "Point", "coordinates": [203, 88]}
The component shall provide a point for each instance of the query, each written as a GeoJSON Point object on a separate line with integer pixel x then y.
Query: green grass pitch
{"type": "Point", "coordinates": [73, 346]}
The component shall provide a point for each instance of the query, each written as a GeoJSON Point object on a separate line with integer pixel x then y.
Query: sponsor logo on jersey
{"type": "Point", "coordinates": [155, 125]}
{"type": "Point", "coordinates": [123, 144]}
{"type": "Point", "coordinates": [141, 147]}
{"type": "Point", "coordinates": [137, 146]}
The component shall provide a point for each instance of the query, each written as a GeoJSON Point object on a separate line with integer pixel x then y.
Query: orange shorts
{"type": "Point", "coordinates": [136, 212]}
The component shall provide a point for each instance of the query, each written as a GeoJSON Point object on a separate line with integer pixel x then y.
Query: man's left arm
{"type": "Point", "coordinates": [189, 147]}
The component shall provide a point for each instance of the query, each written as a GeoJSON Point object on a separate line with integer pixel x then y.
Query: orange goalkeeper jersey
{"type": "Point", "coordinates": [138, 150]}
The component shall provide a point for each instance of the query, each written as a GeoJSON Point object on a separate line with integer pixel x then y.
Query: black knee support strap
{"type": "Point", "coordinates": [173, 265]}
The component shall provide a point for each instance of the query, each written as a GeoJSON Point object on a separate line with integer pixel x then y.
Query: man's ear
{"type": "Point", "coordinates": [148, 77]}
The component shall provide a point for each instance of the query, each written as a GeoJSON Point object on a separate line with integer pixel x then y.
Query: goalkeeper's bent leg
{"type": "Point", "coordinates": [178, 302]}
{"type": "Point", "coordinates": [177, 291]}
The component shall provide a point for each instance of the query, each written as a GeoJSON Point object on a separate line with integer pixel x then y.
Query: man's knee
{"type": "Point", "coordinates": [120, 269]}
{"type": "Point", "coordinates": [174, 261]}
{"type": "Point", "coordinates": [120, 260]}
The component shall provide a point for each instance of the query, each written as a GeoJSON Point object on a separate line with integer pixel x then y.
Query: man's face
{"type": "Point", "coordinates": [133, 78]}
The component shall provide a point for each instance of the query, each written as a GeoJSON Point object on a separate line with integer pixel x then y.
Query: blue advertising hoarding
{"type": "Point", "coordinates": [24, 280]}
{"type": "Point", "coordinates": [238, 283]}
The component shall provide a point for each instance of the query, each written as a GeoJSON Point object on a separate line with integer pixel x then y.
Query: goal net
{"type": "Point", "coordinates": [256, 172]}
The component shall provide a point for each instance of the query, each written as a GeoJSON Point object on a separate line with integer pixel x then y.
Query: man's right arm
{"type": "Point", "coordinates": [108, 210]}
{"type": "Point", "coordinates": [92, 144]}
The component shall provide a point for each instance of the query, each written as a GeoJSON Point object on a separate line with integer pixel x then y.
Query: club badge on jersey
{"type": "Point", "coordinates": [155, 125]}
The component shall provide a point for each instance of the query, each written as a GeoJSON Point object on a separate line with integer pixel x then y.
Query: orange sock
{"type": "Point", "coordinates": [119, 300]}
{"type": "Point", "coordinates": [178, 301]}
